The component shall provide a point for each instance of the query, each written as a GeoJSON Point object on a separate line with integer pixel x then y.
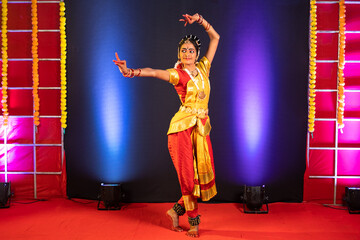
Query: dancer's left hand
{"type": "Point", "coordinates": [188, 19]}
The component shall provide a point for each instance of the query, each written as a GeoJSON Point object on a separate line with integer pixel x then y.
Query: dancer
{"type": "Point", "coordinates": [188, 135]}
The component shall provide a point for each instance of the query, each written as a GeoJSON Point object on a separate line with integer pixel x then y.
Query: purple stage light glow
{"type": "Point", "coordinates": [252, 101]}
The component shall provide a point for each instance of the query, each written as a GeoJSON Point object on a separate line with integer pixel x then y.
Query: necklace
{"type": "Point", "coordinates": [201, 94]}
{"type": "Point", "coordinates": [194, 73]}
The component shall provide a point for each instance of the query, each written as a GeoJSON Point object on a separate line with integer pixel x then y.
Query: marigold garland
{"type": "Point", "coordinates": [63, 65]}
{"type": "Point", "coordinates": [4, 49]}
{"type": "Point", "coordinates": [341, 65]}
{"type": "Point", "coordinates": [35, 65]}
{"type": "Point", "coordinates": [312, 66]}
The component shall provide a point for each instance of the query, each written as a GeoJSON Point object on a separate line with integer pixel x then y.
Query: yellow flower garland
{"type": "Point", "coordinates": [341, 65]}
{"type": "Point", "coordinates": [4, 49]}
{"type": "Point", "coordinates": [35, 66]}
{"type": "Point", "coordinates": [63, 65]}
{"type": "Point", "coordinates": [312, 66]}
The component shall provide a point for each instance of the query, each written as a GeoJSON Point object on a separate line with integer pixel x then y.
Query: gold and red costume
{"type": "Point", "coordinates": [188, 138]}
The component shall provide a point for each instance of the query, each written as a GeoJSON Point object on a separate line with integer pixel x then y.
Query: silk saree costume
{"type": "Point", "coordinates": [188, 138]}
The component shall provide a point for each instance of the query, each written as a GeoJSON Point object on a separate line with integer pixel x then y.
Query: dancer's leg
{"type": "Point", "coordinates": [181, 151]}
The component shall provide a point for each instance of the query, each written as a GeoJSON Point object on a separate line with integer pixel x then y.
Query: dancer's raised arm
{"type": "Point", "coordinates": [140, 72]}
{"type": "Point", "coordinates": [213, 35]}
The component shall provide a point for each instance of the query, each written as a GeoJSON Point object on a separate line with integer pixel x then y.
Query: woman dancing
{"type": "Point", "coordinates": [188, 136]}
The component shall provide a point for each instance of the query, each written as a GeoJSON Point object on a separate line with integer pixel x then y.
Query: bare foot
{"type": "Point", "coordinates": [174, 220]}
{"type": "Point", "coordinates": [193, 232]}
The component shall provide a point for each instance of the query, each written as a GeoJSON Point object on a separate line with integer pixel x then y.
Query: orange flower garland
{"type": "Point", "coordinates": [312, 67]}
{"type": "Point", "coordinates": [35, 65]}
{"type": "Point", "coordinates": [4, 48]}
{"type": "Point", "coordinates": [341, 65]}
{"type": "Point", "coordinates": [63, 65]}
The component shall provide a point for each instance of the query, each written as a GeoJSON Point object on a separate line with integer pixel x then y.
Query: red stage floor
{"type": "Point", "coordinates": [66, 219]}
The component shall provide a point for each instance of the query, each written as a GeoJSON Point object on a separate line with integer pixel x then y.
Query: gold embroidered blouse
{"type": "Point", "coordinates": [193, 109]}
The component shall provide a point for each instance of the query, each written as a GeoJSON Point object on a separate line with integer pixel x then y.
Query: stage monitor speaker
{"type": "Point", "coordinates": [110, 196]}
{"type": "Point", "coordinates": [254, 198]}
{"type": "Point", "coordinates": [352, 199]}
{"type": "Point", "coordinates": [5, 195]}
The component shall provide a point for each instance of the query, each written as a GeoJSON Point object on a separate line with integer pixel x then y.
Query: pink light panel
{"type": "Point", "coordinates": [333, 158]}
{"type": "Point", "coordinates": [31, 159]}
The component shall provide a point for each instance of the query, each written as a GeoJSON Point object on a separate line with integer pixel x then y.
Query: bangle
{"type": "Point", "coordinates": [130, 73]}
{"type": "Point", "coordinates": [208, 27]}
{"type": "Point", "coordinates": [200, 20]}
{"type": "Point", "coordinates": [138, 75]}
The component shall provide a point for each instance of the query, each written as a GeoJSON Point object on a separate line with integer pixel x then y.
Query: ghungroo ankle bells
{"type": "Point", "coordinates": [194, 221]}
{"type": "Point", "coordinates": [180, 210]}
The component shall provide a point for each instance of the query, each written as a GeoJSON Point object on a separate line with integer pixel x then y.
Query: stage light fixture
{"type": "Point", "coordinates": [254, 198]}
{"type": "Point", "coordinates": [110, 196]}
{"type": "Point", "coordinates": [5, 195]}
{"type": "Point", "coordinates": [352, 199]}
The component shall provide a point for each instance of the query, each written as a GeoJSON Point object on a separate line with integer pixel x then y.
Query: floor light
{"type": "Point", "coordinates": [254, 198]}
{"type": "Point", "coordinates": [5, 195]}
{"type": "Point", "coordinates": [110, 196]}
{"type": "Point", "coordinates": [352, 199]}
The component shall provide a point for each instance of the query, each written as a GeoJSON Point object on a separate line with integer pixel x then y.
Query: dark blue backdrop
{"type": "Point", "coordinates": [258, 108]}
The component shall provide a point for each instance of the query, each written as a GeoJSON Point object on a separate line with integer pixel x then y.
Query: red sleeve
{"type": "Point", "coordinates": [181, 86]}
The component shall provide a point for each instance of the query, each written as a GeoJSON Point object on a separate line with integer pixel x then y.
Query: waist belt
{"type": "Point", "coordinates": [200, 112]}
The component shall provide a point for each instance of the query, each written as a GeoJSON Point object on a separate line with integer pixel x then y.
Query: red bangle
{"type": "Point", "coordinates": [208, 27]}
{"type": "Point", "coordinates": [200, 20]}
{"type": "Point", "coordinates": [132, 73]}
{"type": "Point", "coordinates": [139, 72]}
{"type": "Point", "coordinates": [128, 73]}
{"type": "Point", "coordinates": [199, 17]}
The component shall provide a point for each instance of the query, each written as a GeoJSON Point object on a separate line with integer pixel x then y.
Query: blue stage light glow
{"type": "Point", "coordinates": [109, 94]}
{"type": "Point", "coordinates": [252, 99]}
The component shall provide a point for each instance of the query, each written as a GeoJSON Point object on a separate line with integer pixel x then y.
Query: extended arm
{"type": "Point", "coordinates": [140, 72]}
{"type": "Point", "coordinates": [213, 35]}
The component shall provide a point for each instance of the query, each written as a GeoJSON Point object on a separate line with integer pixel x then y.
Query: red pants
{"type": "Point", "coordinates": [181, 151]}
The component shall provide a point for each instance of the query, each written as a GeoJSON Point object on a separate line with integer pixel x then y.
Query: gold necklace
{"type": "Point", "coordinates": [194, 73]}
{"type": "Point", "coordinates": [201, 93]}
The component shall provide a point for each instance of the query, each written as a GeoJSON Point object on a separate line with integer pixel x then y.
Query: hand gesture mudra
{"type": "Point", "coordinates": [188, 19]}
{"type": "Point", "coordinates": [121, 64]}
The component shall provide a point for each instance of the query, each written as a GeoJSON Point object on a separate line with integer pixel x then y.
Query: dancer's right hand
{"type": "Point", "coordinates": [121, 64]}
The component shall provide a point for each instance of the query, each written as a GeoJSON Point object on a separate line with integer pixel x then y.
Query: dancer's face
{"type": "Point", "coordinates": [187, 54]}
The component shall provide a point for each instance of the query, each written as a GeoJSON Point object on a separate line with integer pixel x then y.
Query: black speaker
{"type": "Point", "coordinates": [352, 199]}
{"type": "Point", "coordinates": [5, 195]}
{"type": "Point", "coordinates": [110, 196]}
